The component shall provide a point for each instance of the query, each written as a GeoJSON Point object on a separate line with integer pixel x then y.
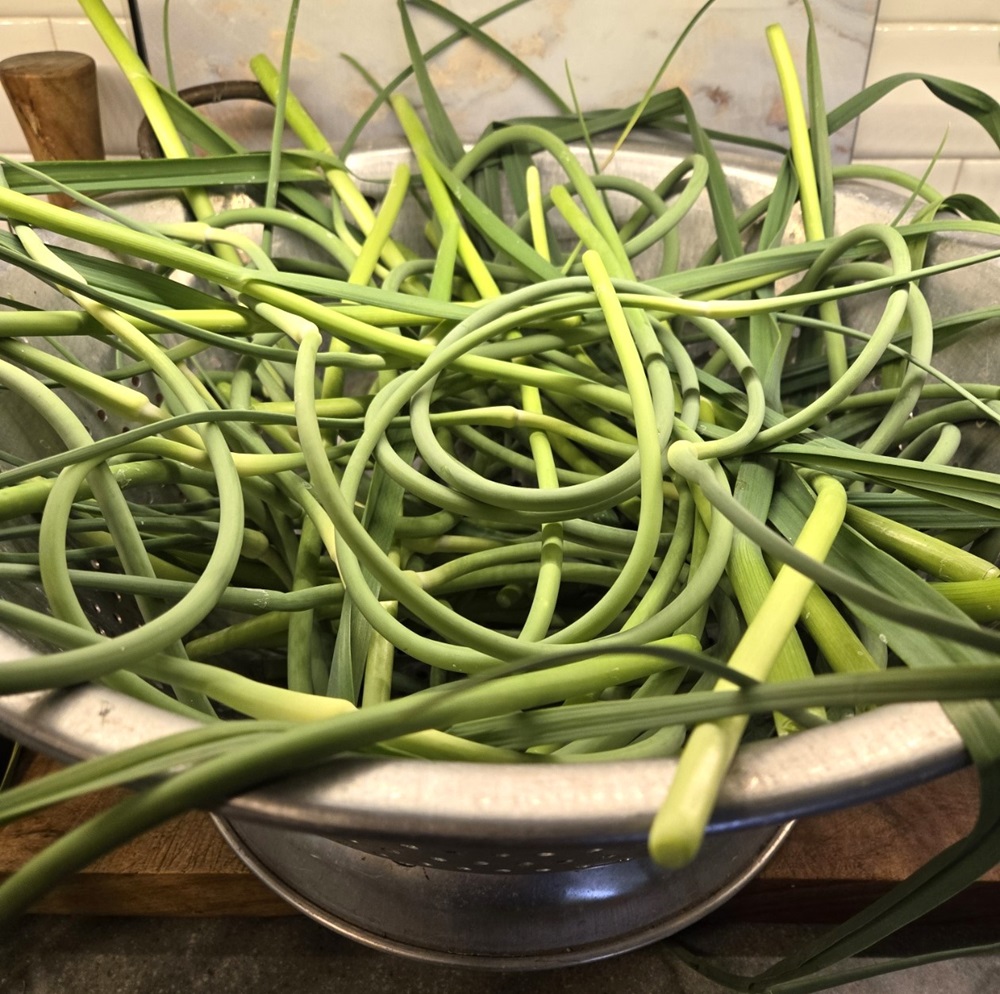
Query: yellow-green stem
{"type": "Point", "coordinates": [679, 826]}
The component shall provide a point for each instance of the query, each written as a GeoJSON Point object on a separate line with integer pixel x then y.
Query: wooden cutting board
{"type": "Point", "coordinates": [830, 866]}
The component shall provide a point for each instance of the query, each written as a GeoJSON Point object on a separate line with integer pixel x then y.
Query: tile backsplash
{"type": "Point", "coordinates": [723, 65]}
{"type": "Point", "coordinates": [910, 124]}
{"type": "Point", "coordinates": [955, 40]}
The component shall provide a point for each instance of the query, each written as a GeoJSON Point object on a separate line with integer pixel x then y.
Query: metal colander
{"type": "Point", "coordinates": [520, 866]}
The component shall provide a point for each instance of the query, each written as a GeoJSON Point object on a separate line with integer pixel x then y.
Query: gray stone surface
{"type": "Point", "coordinates": [57, 955]}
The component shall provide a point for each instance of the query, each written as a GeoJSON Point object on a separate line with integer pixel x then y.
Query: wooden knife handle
{"type": "Point", "coordinates": [54, 95]}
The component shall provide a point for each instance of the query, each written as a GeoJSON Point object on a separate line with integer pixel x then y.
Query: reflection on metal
{"type": "Point", "coordinates": [528, 920]}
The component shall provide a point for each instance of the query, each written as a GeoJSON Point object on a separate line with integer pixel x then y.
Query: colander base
{"type": "Point", "coordinates": [507, 915]}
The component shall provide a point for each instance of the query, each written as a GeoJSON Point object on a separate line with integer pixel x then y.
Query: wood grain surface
{"type": "Point", "coordinates": [181, 868]}
{"type": "Point", "coordinates": [829, 866]}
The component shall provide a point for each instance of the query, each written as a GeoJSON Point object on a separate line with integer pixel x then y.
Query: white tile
{"type": "Point", "coordinates": [24, 34]}
{"type": "Point", "coordinates": [982, 178]}
{"type": "Point", "coordinates": [943, 175]}
{"type": "Point", "coordinates": [55, 8]}
{"type": "Point", "coordinates": [38, 8]}
{"type": "Point", "coordinates": [120, 112]}
{"type": "Point", "coordinates": [937, 10]}
{"type": "Point", "coordinates": [80, 33]}
{"type": "Point", "coordinates": [910, 121]}
{"type": "Point", "coordinates": [44, 8]}
{"type": "Point", "coordinates": [19, 35]}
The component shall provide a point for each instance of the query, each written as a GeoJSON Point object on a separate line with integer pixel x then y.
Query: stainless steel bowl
{"type": "Point", "coordinates": [521, 866]}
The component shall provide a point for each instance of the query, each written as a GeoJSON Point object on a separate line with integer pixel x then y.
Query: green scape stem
{"type": "Point", "coordinates": [148, 94]}
{"type": "Point", "coordinates": [308, 132]}
{"type": "Point", "coordinates": [676, 834]}
{"type": "Point", "coordinates": [812, 212]}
